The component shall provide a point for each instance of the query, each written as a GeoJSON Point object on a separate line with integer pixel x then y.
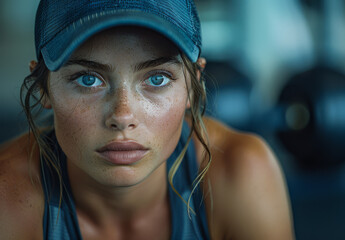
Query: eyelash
{"type": "Point", "coordinates": [158, 72]}
{"type": "Point", "coordinates": [77, 75]}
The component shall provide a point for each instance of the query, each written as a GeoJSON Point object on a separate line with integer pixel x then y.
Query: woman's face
{"type": "Point", "coordinates": [119, 104]}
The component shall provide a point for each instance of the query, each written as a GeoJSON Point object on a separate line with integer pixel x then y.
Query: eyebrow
{"type": "Point", "coordinates": [140, 66]}
{"type": "Point", "coordinates": [90, 64]}
{"type": "Point", "coordinates": [157, 62]}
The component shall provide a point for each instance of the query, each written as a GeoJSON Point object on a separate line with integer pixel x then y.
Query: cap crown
{"type": "Point", "coordinates": [53, 16]}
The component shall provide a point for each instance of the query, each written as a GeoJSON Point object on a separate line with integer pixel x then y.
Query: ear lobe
{"type": "Point", "coordinates": [32, 65]}
{"type": "Point", "coordinates": [45, 101]}
{"type": "Point", "coordinates": [188, 104]}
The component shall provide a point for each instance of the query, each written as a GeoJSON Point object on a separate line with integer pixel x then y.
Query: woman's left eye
{"type": "Point", "coordinates": [158, 80]}
{"type": "Point", "coordinates": [89, 81]}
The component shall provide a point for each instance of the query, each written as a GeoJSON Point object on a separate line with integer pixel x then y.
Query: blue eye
{"type": "Point", "coordinates": [157, 80]}
{"type": "Point", "coordinates": [89, 81]}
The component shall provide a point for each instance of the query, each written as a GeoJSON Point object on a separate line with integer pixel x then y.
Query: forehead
{"type": "Point", "coordinates": [127, 40]}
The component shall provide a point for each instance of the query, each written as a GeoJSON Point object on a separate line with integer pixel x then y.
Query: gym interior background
{"type": "Point", "coordinates": [275, 67]}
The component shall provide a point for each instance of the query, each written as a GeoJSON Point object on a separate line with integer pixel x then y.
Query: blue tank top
{"type": "Point", "coordinates": [62, 224]}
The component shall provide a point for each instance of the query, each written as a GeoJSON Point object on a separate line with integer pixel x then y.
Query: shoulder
{"type": "Point", "coordinates": [21, 198]}
{"type": "Point", "coordinates": [239, 152]}
{"type": "Point", "coordinates": [247, 185]}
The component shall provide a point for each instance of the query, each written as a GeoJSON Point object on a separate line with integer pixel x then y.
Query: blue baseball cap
{"type": "Point", "coordinates": [63, 25]}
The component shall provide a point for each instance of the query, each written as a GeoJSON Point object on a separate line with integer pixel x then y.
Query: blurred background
{"type": "Point", "coordinates": [275, 68]}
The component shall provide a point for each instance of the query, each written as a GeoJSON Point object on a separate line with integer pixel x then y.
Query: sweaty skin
{"type": "Point", "coordinates": [121, 107]}
{"type": "Point", "coordinates": [129, 84]}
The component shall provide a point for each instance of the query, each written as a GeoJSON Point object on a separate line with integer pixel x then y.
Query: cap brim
{"type": "Point", "coordinates": [57, 51]}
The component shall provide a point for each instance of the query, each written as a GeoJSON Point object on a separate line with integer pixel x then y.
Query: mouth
{"type": "Point", "coordinates": [123, 153]}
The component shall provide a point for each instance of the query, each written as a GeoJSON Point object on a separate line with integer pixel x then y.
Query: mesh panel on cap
{"type": "Point", "coordinates": [53, 16]}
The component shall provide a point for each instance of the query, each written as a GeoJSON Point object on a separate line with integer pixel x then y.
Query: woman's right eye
{"type": "Point", "coordinates": [88, 81]}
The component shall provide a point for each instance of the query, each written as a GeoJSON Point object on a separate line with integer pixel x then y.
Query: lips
{"type": "Point", "coordinates": [123, 153]}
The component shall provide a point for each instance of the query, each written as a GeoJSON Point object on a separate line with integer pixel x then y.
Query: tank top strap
{"type": "Point", "coordinates": [60, 219]}
{"type": "Point", "coordinates": [184, 226]}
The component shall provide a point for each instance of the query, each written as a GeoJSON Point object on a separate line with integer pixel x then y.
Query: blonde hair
{"type": "Point", "coordinates": [196, 112]}
{"type": "Point", "coordinates": [35, 88]}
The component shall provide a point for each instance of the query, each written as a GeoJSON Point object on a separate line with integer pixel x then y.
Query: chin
{"type": "Point", "coordinates": [121, 176]}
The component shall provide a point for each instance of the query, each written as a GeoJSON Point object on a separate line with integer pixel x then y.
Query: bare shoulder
{"type": "Point", "coordinates": [238, 151]}
{"type": "Point", "coordinates": [21, 198]}
{"type": "Point", "coordinates": [248, 186]}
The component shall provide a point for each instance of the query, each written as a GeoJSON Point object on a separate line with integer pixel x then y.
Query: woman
{"type": "Point", "coordinates": [130, 155]}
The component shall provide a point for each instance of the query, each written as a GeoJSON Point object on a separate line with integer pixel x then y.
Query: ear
{"type": "Point", "coordinates": [45, 101]}
{"type": "Point", "coordinates": [32, 65]}
{"type": "Point", "coordinates": [188, 104]}
{"type": "Point", "coordinates": [201, 66]}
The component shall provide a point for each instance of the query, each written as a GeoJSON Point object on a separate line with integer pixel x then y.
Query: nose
{"type": "Point", "coordinates": [121, 114]}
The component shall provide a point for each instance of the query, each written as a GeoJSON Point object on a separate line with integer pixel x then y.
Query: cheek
{"type": "Point", "coordinates": [74, 119]}
{"type": "Point", "coordinates": [164, 118]}
{"type": "Point", "coordinates": [168, 114]}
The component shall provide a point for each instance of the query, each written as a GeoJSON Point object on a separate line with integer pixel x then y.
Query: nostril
{"type": "Point", "coordinates": [122, 127]}
{"type": "Point", "coordinates": [131, 126]}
